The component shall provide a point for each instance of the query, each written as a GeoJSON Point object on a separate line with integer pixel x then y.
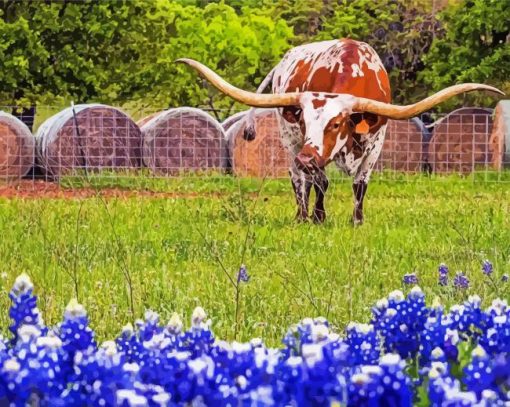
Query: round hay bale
{"type": "Point", "coordinates": [230, 121]}
{"type": "Point", "coordinates": [183, 139]}
{"type": "Point", "coordinates": [460, 142]}
{"type": "Point", "coordinates": [17, 148]}
{"type": "Point", "coordinates": [100, 137]}
{"type": "Point", "coordinates": [403, 146]}
{"type": "Point", "coordinates": [263, 157]}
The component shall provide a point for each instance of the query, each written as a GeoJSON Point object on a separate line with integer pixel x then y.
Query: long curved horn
{"type": "Point", "coordinates": [248, 98]}
{"type": "Point", "coordinates": [405, 112]}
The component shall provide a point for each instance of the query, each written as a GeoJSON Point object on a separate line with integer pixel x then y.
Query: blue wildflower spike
{"type": "Point", "coordinates": [443, 274]}
{"type": "Point", "coordinates": [23, 310]}
{"type": "Point", "coordinates": [242, 275]}
{"type": "Point", "coordinates": [487, 267]}
{"type": "Point", "coordinates": [74, 331]}
{"type": "Point", "coordinates": [410, 279]}
{"type": "Point", "coordinates": [461, 281]}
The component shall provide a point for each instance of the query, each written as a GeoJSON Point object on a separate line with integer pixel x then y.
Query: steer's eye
{"type": "Point", "coordinates": [336, 125]}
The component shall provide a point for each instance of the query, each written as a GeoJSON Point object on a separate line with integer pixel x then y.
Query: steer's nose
{"type": "Point", "coordinates": [306, 163]}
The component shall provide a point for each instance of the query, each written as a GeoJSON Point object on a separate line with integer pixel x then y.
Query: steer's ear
{"type": "Point", "coordinates": [363, 122]}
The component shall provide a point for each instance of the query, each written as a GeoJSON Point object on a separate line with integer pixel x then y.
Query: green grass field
{"type": "Point", "coordinates": [122, 256]}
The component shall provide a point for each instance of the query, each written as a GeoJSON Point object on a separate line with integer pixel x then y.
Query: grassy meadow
{"type": "Point", "coordinates": [123, 255]}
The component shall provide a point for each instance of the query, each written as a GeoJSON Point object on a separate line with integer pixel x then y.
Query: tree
{"type": "Point", "coordinates": [121, 50]}
{"type": "Point", "coordinates": [475, 48]}
{"type": "Point", "coordinates": [400, 31]}
{"type": "Point", "coordinates": [241, 47]}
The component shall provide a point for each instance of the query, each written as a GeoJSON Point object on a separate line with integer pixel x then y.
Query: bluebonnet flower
{"type": "Point", "coordinates": [504, 278]}
{"type": "Point", "coordinates": [74, 331]}
{"type": "Point", "coordinates": [410, 279]}
{"type": "Point", "coordinates": [24, 305]}
{"type": "Point", "coordinates": [154, 364]}
{"type": "Point", "coordinates": [242, 275]}
{"type": "Point", "coordinates": [461, 280]}
{"type": "Point", "coordinates": [487, 267]}
{"type": "Point", "coordinates": [401, 322]}
{"type": "Point", "coordinates": [443, 274]}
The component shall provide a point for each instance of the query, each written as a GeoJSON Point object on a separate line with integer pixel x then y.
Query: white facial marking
{"type": "Point", "coordinates": [316, 119]}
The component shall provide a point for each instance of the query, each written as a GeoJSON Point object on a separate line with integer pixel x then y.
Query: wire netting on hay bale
{"type": "Point", "coordinates": [460, 141]}
{"type": "Point", "coordinates": [263, 157]}
{"type": "Point", "coordinates": [17, 148]}
{"type": "Point", "coordinates": [403, 146]}
{"type": "Point", "coordinates": [96, 137]}
{"type": "Point", "coordinates": [183, 139]}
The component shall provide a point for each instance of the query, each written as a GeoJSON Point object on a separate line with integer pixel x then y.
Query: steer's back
{"type": "Point", "coordinates": [336, 66]}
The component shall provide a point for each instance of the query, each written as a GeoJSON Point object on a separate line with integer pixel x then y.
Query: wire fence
{"type": "Point", "coordinates": [110, 144]}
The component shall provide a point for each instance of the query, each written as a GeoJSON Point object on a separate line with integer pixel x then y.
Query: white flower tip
{"type": "Point", "coordinates": [256, 342]}
{"type": "Point", "coordinates": [151, 316]}
{"type": "Point", "coordinates": [474, 299]}
{"type": "Point", "coordinates": [11, 366]}
{"type": "Point", "coordinates": [360, 379]}
{"type": "Point", "coordinates": [27, 331]}
{"type": "Point", "coordinates": [416, 292]}
{"type": "Point", "coordinates": [110, 348]}
{"type": "Point", "coordinates": [479, 352]}
{"type": "Point", "coordinates": [175, 323]}
{"type": "Point", "coordinates": [371, 370]}
{"type": "Point", "coordinates": [382, 303]}
{"type": "Point", "coordinates": [436, 303]}
{"type": "Point", "coordinates": [437, 353]}
{"type": "Point", "coordinates": [131, 367]}
{"type": "Point", "coordinates": [311, 352]}
{"type": "Point", "coordinates": [198, 316]}
{"type": "Point", "coordinates": [396, 296]}
{"type": "Point", "coordinates": [75, 310]}
{"type": "Point", "coordinates": [489, 395]}
{"type": "Point", "coordinates": [390, 359]}
{"type": "Point", "coordinates": [22, 284]}
{"type": "Point", "coordinates": [128, 330]}
{"type": "Point", "coordinates": [319, 332]}
{"type": "Point", "coordinates": [50, 342]}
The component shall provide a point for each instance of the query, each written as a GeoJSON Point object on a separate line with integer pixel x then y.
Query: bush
{"type": "Point", "coordinates": [409, 354]}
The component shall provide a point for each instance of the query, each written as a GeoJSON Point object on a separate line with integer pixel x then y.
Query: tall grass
{"type": "Point", "coordinates": [177, 250]}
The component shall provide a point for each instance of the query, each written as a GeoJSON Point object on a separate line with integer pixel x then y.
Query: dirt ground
{"type": "Point", "coordinates": [37, 189]}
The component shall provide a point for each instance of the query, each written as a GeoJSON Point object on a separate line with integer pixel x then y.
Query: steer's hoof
{"type": "Point", "coordinates": [301, 217]}
{"type": "Point", "coordinates": [319, 216]}
{"type": "Point", "coordinates": [355, 221]}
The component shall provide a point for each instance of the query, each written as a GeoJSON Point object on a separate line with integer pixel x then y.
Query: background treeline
{"type": "Point", "coordinates": [122, 51]}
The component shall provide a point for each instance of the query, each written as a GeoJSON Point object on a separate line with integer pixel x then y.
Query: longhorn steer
{"type": "Point", "coordinates": [334, 100]}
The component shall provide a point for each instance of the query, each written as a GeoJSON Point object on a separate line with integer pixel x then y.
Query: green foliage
{"type": "Point", "coordinates": [475, 47]}
{"type": "Point", "coordinates": [401, 33]}
{"type": "Point", "coordinates": [119, 50]}
{"type": "Point", "coordinates": [242, 48]}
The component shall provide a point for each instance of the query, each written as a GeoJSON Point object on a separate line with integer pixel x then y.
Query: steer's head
{"type": "Point", "coordinates": [328, 120]}
{"type": "Point", "coordinates": [328, 123]}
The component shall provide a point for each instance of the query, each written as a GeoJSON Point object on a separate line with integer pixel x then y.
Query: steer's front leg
{"type": "Point", "coordinates": [320, 184]}
{"type": "Point", "coordinates": [302, 185]}
{"type": "Point", "coordinates": [359, 189]}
